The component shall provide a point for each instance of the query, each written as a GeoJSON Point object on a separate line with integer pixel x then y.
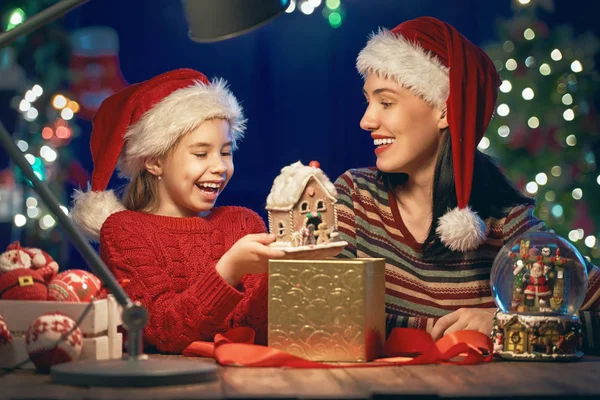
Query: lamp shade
{"type": "Point", "coordinates": [214, 20]}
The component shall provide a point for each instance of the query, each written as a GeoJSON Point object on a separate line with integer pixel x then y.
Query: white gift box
{"type": "Point", "coordinates": [99, 328]}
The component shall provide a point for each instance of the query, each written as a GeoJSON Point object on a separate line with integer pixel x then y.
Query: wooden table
{"type": "Point", "coordinates": [496, 380]}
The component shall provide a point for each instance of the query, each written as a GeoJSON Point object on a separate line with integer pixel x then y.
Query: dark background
{"type": "Point", "coordinates": [295, 77]}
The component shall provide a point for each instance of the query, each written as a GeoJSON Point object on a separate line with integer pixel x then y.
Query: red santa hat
{"type": "Point", "coordinates": [145, 120]}
{"type": "Point", "coordinates": [437, 63]}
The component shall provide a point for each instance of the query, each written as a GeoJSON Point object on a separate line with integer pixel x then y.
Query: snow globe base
{"type": "Point", "coordinates": [520, 337]}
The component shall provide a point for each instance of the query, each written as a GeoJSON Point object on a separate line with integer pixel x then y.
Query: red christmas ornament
{"type": "Point", "coordinates": [61, 291]}
{"type": "Point", "coordinates": [5, 336]}
{"type": "Point", "coordinates": [582, 218]}
{"type": "Point", "coordinates": [552, 141]}
{"type": "Point", "coordinates": [77, 285]}
{"type": "Point", "coordinates": [536, 141]}
{"type": "Point", "coordinates": [541, 30]}
{"type": "Point", "coordinates": [43, 335]}
{"type": "Point", "coordinates": [22, 284]}
{"type": "Point", "coordinates": [518, 138]}
{"type": "Point", "coordinates": [7, 177]}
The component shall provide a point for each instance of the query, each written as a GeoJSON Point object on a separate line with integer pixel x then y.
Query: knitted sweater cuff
{"type": "Point", "coordinates": [218, 298]}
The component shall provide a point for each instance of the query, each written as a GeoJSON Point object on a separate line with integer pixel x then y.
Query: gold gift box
{"type": "Point", "coordinates": [328, 310]}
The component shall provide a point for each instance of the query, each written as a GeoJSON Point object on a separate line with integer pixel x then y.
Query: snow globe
{"type": "Point", "coordinates": [539, 282]}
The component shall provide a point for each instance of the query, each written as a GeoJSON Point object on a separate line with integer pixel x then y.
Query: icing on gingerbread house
{"type": "Point", "coordinates": [301, 206]}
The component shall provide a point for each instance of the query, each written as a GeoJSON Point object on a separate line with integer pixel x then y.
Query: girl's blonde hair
{"type": "Point", "coordinates": [141, 194]}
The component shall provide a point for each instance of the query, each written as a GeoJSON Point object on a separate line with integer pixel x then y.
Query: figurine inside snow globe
{"type": "Point", "coordinates": [539, 281]}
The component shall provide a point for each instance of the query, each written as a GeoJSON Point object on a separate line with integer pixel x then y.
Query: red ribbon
{"type": "Point", "coordinates": [404, 346]}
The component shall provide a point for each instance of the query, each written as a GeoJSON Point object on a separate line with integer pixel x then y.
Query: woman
{"type": "Point", "coordinates": [435, 207]}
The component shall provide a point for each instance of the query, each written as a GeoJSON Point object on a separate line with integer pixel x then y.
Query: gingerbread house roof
{"type": "Point", "coordinates": [289, 186]}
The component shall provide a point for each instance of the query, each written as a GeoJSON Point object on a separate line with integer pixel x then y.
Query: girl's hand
{"type": "Point", "coordinates": [249, 255]}
{"type": "Point", "coordinates": [477, 319]}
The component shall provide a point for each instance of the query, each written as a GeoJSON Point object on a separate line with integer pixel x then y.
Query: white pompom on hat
{"type": "Point", "coordinates": [437, 63]}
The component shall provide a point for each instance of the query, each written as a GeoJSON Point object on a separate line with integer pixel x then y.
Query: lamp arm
{"type": "Point", "coordinates": [134, 316]}
{"type": "Point", "coordinates": [38, 20]}
{"type": "Point", "coordinates": [90, 255]}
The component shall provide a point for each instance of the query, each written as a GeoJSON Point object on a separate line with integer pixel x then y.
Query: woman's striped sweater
{"type": "Point", "coordinates": [418, 292]}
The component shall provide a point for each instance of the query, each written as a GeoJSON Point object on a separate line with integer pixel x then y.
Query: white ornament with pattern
{"type": "Point", "coordinates": [44, 333]}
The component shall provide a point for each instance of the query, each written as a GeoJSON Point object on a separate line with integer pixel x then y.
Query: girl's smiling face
{"type": "Point", "coordinates": [196, 171]}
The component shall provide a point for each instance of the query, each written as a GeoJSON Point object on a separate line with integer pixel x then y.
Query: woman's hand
{"type": "Point", "coordinates": [249, 255]}
{"type": "Point", "coordinates": [476, 319]}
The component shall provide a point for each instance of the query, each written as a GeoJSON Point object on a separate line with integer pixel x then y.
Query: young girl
{"type": "Point", "coordinates": [435, 207]}
{"type": "Point", "coordinates": [198, 270]}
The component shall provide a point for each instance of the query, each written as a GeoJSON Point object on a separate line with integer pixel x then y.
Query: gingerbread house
{"type": "Point", "coordinates": [301, 206]}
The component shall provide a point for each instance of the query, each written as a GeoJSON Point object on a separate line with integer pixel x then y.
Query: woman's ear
{"type": "Point", "coordinates": [154, 166]}
{"type": "Point", "coordinates": [443, 121]}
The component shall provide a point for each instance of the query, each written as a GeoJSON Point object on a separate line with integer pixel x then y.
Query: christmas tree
{"type": "Point", "coordinates": [544, 133]}
{"type": "Point", "coordinates": [39, 113]}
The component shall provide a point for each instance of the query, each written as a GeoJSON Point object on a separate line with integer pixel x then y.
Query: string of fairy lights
{"type": "Point", "coordinates": [59, 132]}
{"type": "Point", "coordinates": [565, 89]}
{"type": "Point", "coordinates": [55, 133]}
{"type": "Point", "coordinates": [332, 10]}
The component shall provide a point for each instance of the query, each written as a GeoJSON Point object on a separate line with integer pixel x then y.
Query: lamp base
{"type": "Point", "coordinates": [134, 372]}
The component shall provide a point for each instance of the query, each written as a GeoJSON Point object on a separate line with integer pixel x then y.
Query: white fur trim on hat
{"type": "Point", "coordinates": [462, 229]}
{"type": "Point", "coordinates": [91, 209]}
{"type": "Point", "coordinates": [393, 56]}
{"type": "Point", "coordinates": [174, 116]}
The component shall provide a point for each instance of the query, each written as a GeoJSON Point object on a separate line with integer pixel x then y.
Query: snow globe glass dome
{"type": "Point", "coordinates": [539, 281]}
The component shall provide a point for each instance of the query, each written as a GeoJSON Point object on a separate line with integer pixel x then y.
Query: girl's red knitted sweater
{"type": "Point", "coordinates": [168, 265]}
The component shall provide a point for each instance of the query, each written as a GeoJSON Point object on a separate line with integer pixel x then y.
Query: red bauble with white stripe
{"type": "Point", "coordinates": [42, 336]}
{"type": "Point", "coordinates": [74, 285]}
